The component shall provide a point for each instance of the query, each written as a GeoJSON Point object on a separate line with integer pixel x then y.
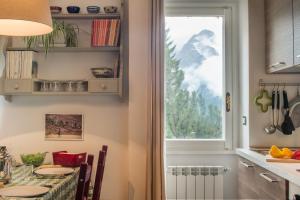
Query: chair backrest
{"type": "Point", "coordinates": [104, 148]}
{"type": "Point", "coordinates": [84, 179]}
{"type": "Point", "coordinates": [99, 173]}
{"type": "Point", "coordinates": [90, 160]}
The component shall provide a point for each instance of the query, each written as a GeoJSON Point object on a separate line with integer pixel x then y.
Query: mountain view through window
{"type": "Point", "coordinates": [194, 77]}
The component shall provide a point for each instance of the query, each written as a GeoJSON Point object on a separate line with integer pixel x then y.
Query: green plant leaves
{"type": "Point", "coordinates": [69, 32]}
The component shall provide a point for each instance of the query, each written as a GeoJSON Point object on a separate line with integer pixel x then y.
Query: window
{"type": "Point", "coordinates": [198, 76]}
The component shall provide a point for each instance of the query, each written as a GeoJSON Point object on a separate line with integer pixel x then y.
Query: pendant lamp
{"type": "Point", "coordinates": [25, 17]}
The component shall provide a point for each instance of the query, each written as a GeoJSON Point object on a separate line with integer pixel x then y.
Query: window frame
{"type": "Point", "coordinates": [229, 11]}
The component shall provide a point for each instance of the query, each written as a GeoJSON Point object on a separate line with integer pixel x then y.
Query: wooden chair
{"type": "Point", "coordinates": [84, 179]}
{"type": "Point", "coordinates": [90, 161]}
{"type": "Point", "coordinates": [99, 173]}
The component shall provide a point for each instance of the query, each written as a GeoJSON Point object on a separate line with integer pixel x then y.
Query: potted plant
{"type": "Point", "coordinates": [60, 29]}
{"type": "Point", "coordinates": [71, 31]}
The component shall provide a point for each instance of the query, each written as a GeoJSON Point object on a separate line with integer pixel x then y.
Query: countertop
{"type": "Point", "coordinates": [287, 171]}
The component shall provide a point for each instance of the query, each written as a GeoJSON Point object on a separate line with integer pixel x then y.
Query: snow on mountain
{"type": "Point", "coordinates": [198, 49]}
{"type": "Point", "coordinates": [201, 60]}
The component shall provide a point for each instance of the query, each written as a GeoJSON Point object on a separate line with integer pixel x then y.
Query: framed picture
{"type": "Point", "coordinates": [64, 127]}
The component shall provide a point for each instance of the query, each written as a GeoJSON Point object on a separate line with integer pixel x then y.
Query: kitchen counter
{"type": "Point", "coordinates": [287, 171]}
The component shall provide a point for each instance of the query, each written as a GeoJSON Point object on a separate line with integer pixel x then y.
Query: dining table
{"type": "Point", "coordinates": [60, 187]}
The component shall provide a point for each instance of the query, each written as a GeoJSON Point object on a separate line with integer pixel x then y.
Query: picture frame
{"type": "Point", "coordinates": [64, 127]}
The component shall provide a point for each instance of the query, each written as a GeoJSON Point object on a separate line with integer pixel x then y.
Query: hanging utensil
{"type": "Point", "coordinates": [287, 126]}
{"type": "Point", "coordinates": [295, 109]}
{"type": "Point", "coordinates": [278, 127]}
{"type": "Point", "coordinates": [263, 100]}
{"type": "Point", "coordinates": [272, 128]}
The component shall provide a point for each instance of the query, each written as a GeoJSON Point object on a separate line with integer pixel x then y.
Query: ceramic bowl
{"type": "Point", "coordinates": [73, 9]}
{"type": "Point", "coordinates": [110, 9]}
{"type": "Point", "coordinates": [93, 9]}
{"type": "Point", "coordinates": [55, 9]}
{"type": "Point", "coordinates": [102, 72]}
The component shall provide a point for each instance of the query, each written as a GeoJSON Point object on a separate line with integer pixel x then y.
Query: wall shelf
{"type": "Point", "coordinates": [31, 87]}
{"type": "Point", "coordinates": [69, 94]}
{"type": "Point", "coordinates": [93, 87]}
{"type": "Point", "coordinates": [68, 49]}
{"type": "Point", "coordinates": [87, 16]}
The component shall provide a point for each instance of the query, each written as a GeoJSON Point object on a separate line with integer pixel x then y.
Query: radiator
{"type": "Point", "coordinates": [195, 182]}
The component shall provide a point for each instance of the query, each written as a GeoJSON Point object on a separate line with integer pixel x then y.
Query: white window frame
{"type": "Point", "coordinates": [229, 10]}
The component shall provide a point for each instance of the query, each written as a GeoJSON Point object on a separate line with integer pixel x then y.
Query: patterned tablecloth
{"type": "Point", "coordinates": [61, 188]}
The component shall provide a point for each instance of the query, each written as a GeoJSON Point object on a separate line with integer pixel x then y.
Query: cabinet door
{"type": "Point", "coordinates": [279, 33]}
{"type": "Point", "coordinates": [296, 8]}
{"type": "Point", "coordinates": [270, 185]}
{"type": "Point", "coordinates": [246, 179]}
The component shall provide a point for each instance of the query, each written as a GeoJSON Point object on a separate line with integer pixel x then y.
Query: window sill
{"type": "Point", "coordinates": [195, 140]}
{"type": "Point", "coordinates": [196, 146]}
{"type": "Point", "coordinates": [174, 153]}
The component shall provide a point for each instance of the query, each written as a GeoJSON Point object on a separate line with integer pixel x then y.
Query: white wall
{"type": "Point", "coordinates": [105, 118]}
{"type": "Point", "coordinates": [257, 119]}
{"type": "Point", "coordinates": [22, 130]}
{"type": "Point", "coordinates": [139, 34]}
{"type": "Point", "coordinates": [244, 72]}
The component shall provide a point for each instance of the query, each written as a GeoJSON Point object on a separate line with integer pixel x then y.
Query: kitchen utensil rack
{"type": "Point", "coordinates": [262, 83]}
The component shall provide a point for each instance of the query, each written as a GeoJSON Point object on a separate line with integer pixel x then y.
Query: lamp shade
{"type": "Point", "coordinates": [25, 17]}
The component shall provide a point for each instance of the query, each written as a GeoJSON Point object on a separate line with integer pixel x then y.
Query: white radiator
{"type": "Point", "coordinates": [195, 182]}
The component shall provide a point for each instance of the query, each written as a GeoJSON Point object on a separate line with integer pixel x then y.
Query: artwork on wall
{"type": "Point", "coordinates": [64, 127]}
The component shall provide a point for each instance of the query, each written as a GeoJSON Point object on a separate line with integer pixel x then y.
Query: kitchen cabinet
{"type": "Point", "coordinates": [246, 179]}
{"type": "Point", "coordinates": [270, 186]}
{"type": "Point", "coordinates": [296, 11]}
{"type": "Point", "coordinates": [279, 36]}
{"type": "Point", "coordinates": [256, 182]}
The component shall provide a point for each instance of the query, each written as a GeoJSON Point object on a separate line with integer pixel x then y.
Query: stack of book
{"type": "Point", "coordinates": [19, 64]}
{"type": "Point", "coordinates": [105, 32]}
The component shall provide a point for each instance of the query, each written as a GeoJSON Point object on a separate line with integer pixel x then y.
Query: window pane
{"type": "Point", "coordinates": [194, 81]}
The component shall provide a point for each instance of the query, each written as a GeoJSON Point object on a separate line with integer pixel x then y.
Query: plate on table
{"type": "Point", "coordinates": [23, 191]}
{"type": "Point", "coordinates": [54, 171]}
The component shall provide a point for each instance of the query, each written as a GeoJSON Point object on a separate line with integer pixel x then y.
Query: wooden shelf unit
{"type": "Point", "coordinates": [104, 86]}
{"type": "Point", "coordinates": [87, 16]}
{"type": "Point", "coordinates": [68, 49]}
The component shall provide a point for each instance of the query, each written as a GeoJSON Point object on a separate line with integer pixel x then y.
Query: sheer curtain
{"type": "Point", "coordinates": [155, 150]}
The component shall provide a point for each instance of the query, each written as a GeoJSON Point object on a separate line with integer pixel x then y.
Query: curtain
{"type": "Point", "coordinates": [155, 150]}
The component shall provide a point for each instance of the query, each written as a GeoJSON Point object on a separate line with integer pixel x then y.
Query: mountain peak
{"type": "Point", "coordinates": [197, 49]}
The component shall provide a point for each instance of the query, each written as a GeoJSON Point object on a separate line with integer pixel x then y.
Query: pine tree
{"type": "Point", "coordinates": [176, 98]}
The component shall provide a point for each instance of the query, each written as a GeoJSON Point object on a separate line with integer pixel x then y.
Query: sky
{"type": "Point", "coordinates": [211, 70]}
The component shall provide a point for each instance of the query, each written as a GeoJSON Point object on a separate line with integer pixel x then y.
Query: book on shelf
{"type": "Point", "coordinates": [105, 32]}
{"type": "Point", "coordinates": [18, 64]}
